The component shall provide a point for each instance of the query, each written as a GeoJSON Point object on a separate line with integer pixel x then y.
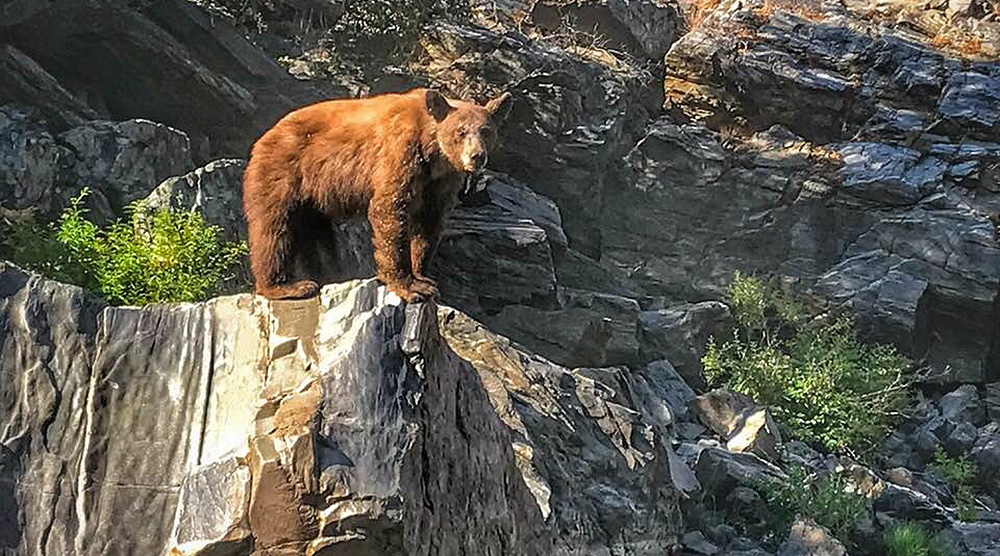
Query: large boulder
{"type": "Point", "coordinates": [119, 162]}
{"type": "Point", "coordinates": [342, 424]}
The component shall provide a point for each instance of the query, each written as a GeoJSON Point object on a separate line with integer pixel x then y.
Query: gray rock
{"type": "Point", "coordinates": [172, 62]}
{"type": "Point", "coordinates": [214, 190]}
{"type": "Point", "coordinates": [696, 543]}
{"type": "Point", "coordinates": [975, 539]}
{"type": "Point", "coordinates": [126, 160]}
{"type": "Point", "coordinates": [906, 503]}
{"type": "Point", "coordinates": [961, 439]}
{"type": "Point", "coordinates": [972, 98]}
{"type": "Point", "coordinates": [986, 453]}
{"type": "Point", "coordinates": [992, 401]}
{"type": "Point", "coordinates": [655, 24]}
{"type": "Point", "coordinates": [889, 175]}
{"type": "Point", "coordinates": [743, 425]}
{"type": "Point", "coordinates": [622, 316]}
{"type": "Point", "coordinates": [571, 337]}
{"type": "Point", "coordinates": [963, 405]}
{"type": "Point", "coordinates": [340, 423]}
{"type": "Point", "coordinates": [545, 403]}
{"type": "Point", "coordinates": [576, 270]}
{"type": "Point", "coordinates": [119, 161]}
{"type": "Point", "coordinates": [26, 83]}
{"type": "Point", "coordinates": [681, 333]}
{"type": "Point", "coordinates": [720, 471]}
{"type": "Point", "coordinates": [32, 163]}
{"type": "Point", "coordinates": [809, 539]}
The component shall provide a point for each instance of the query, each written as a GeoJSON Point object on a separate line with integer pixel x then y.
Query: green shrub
{"type": "Point", "coordinates": [911, 539]}
{"type": "Point", "coordinates": [959, 473]}
{"type": "Point", "coordinates": [829, 501]}
{"type": "Point", "coordinates": [822, 383]}
{"type": "Point", "coordinates": [148, 257]}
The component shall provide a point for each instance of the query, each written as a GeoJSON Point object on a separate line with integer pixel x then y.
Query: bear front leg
{"type": "Point", "coordinates": [427, 227]}
{"type": "Point", "coordinates": [388, 214]}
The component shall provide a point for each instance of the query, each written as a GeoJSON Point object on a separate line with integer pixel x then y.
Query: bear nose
{"type": "Point", "coordinates": [479, 159]}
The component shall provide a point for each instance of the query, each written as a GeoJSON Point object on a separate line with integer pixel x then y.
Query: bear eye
{"type": "Point", "coordinates": [463, 131]}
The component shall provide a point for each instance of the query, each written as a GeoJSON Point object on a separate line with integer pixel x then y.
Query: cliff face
{"type": "Point", "coordinates": [347, 424]}
{"type": "Point", "coordinates": [655, 147]}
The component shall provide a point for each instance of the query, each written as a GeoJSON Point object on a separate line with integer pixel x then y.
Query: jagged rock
{"type": "Point", "coordinates": [696, 543]}
{"type": "Point", "coordinates": [681, 333]}
{"type": "Point", "coordinates": [889, 175]}
{"type": "Point", "coordinates": [744, 425]}
{"type": "Point", "coordinates": [992, 401]}
{"type": "Point", "coordinates": [961, 439]}
{"type": "Point", "coordinates": [644, 28]}
{"type": "Point", "coordinates": [810, 539]}
{"type": "Point", "coordinates": [907, 503]}
{"type": "Point", "coordinates": [720, 471]}
{"type": "Point", "coordinates": [655, 24]}
{"type": "Point", "coordinates": [972, 98]}
{"type": "Point", "coordinates": [962, 405]}
{"type": "Point", "coordinates": [31, 163]}
{"type": "Point", "coordinates": [339, 423]}
{"type": "Point", "coordinates": [621, 314]}
{"type": "Point", "coordinates": [568, 121]}
{"type": "Point", "coordinates": [27, 83]}
{"type": "Point", "coordinates": [214, 190]}
{"type": "Point", "coordinates": [119, 161]}
{"type": "Point", "coordinates": [986, 453]}
{"type": "Point", "coordinates": [573, 337]}
{"type": "Point", "coordinates": [975, 539]}
{"type": "Point", "coordinates": [170, 62]}
{"type": "Point", "coordinates": [618, 483]}
{"type": "Point", "coordinates": [125, 160]}
{"type": "Point", "coordinates": [576, 270]}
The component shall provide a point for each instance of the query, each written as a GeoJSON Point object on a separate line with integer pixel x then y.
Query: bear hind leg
{"type": "Point", "coordinates": [269, 245]}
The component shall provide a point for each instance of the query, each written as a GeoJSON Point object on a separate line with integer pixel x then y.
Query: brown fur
{"type": "Point", "coordinates": [402, 158]}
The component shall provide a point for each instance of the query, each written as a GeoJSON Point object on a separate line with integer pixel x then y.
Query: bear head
{"type": "Point", "coordinates": [465, 131]}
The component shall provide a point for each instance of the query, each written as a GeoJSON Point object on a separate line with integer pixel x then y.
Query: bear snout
{"type": "Point", "coordinates": [476, 161]}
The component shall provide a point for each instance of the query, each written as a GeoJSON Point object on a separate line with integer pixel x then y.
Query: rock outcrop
{"type": "Point", "coordinates": [346, 424]}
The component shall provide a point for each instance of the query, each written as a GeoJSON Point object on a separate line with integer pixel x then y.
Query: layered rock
{"type": "Point", "coordinates": [342, 424]}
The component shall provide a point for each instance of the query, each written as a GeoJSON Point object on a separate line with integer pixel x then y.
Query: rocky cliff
{"type": "Point", "coordinates": [655, 147]}
{"type": "Point", "coordinates": [347, 424]}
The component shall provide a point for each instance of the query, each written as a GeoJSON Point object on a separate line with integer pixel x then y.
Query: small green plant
{"type": "Point", "coordinates": [959, 473]}
{"type": "Point", "coordinates": [822, 383]}
{"type": "Point", "coordinates": [829, 501]}
{"type": "Point", "coordinates": [151, 256]}
{"type": "Point", "coordinates": [911, 539]}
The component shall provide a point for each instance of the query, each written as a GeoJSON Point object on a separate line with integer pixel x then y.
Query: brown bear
{"type": "Point", "coordinates": [402, 157]}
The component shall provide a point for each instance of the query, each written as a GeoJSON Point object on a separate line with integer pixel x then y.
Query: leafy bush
{"type": "Point", "coordinates": [379, 25]}
{"type": "Point", "coordinates": [911, 539]}
{"type": "Point", "coordinates": [959, 473]}
{"type": "Point", "coordinates": [829, 501]}
{"type": "Point", "coordinates": [149, 257]}
{"type": "Point", "coordinates": [822, 383]}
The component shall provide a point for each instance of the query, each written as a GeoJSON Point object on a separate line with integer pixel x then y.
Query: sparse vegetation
{"type": "Point", "coordinates": [912, 539]}
{"type": "Point", "coordinates": [377, 25]}
{"type": "Point", "coordinates": [959, 473]}
{"type": "Point", "coordinates": [828, 500]}
{"type": "Point", "coordinates": [148, 257]}
{"type": "Point", "coordinates": [822, 383]}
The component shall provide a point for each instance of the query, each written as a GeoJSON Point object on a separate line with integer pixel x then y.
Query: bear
{"type": "Point", "coordinates": [400, 158]}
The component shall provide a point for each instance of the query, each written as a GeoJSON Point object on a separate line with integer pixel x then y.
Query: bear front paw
{"type": "Point", "coordinates": [415, 292]}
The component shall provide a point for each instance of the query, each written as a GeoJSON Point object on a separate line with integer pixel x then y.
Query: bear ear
{"type": "Point", "coordinates": [500, 106]}
{"type": "Point", "coordinates": [437, 105]}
